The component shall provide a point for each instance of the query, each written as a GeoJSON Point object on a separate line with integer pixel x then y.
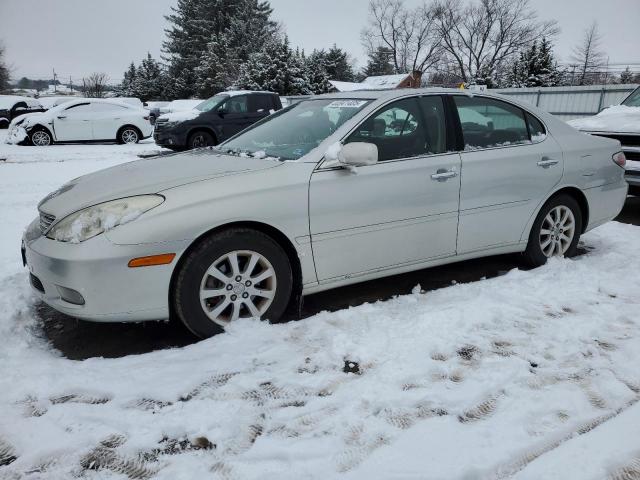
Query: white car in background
{"type": "Point", "coordinates": [82, 120]}
{"type": "Point", "coordinates": [622, 123]}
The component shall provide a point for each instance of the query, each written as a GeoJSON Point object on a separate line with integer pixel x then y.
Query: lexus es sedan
{"type": "Point", "coordinates": [82, 120]}
{"type": "Point", "coordinates": [331, 191]}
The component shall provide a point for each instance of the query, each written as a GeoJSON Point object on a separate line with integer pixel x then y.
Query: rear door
{"type": "Point", "coordinates": [509, 165]}
{"type": "Point", "coordinates": [106, 119]}
{"type": "Point", "coordinates": [401, 211]}
{"type": "Point", "coordinates": [73, 124]}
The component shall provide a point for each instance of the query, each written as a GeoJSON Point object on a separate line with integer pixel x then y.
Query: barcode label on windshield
{"type": "Point", "coordinates": [347, 104]}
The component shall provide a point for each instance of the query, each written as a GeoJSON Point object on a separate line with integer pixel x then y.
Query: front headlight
{"type": "Point", "coordinates": [93, 221]}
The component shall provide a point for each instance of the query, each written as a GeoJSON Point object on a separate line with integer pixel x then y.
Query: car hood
{"type": "Point", "coordinates": [38, 117]}
{"type": "Point", "coordinates": [148, 176]}
{"type": "Point", "coordinates": [617, 119]}
{"type": "Point", "coordinates": [180, 116]}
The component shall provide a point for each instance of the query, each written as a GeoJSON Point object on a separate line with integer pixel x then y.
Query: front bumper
{"type": "Point", "coordinates": [97, 270]}
{"type": "Point", "coordinates": [168, 138]}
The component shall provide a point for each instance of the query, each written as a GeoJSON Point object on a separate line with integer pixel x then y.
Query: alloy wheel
{"type": "Point", "coordinates": [130, 136]}
{"type": "Point", "coordinates": [41, 138]}
{"type": "Point", "coordinates": [557, 232]}
{"type": "Point", "coordinates": [239, 284]}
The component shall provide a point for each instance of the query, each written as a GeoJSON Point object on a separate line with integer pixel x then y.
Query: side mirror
{"type": "Point", "coordinates": [222, 111]}
{"type": "Point", "coordinates": [358, 154]}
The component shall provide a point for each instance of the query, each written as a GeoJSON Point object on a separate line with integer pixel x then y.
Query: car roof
{"type": "Point", "coordinates": [403, 92]}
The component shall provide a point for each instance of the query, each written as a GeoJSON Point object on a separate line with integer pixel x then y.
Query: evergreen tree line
{"type": "Point", "coordinates": [214, 45]}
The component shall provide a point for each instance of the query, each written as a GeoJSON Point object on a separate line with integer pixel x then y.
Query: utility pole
{"type": "Point", "coordinates": [55, 86]}
{"type": "Point", "coordinates": [71, 84]}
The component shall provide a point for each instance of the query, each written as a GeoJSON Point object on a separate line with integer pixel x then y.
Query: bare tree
{"type": "Point", "coordinates": [409, 36]}
{"type": "Point", "coordinates": [480, 37]}
{"type": "Point", "coordinates": [95, 85]}
{"type": "Point", "coordinates": [589, 57]}
{"type": "Point", "coordinates": [4, 71]}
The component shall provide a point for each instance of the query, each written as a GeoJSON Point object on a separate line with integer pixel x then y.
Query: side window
{"type": "Point", "coordinates": [536, 129]}
{"type": "Point", "coordinates": [237, 104]}
{"type": "Point", "coordinates": [434, 123]}
{"type": "Point", "coordinates": [489, 123]}
{"type": "Point", "coordinates": [397, 130]}
{"type": "Point", "coordinates": [78, 109]}
{"type": "Point", "coordinates": [104, 107]}
{"type": "Point", "coordinates": [261, 103]}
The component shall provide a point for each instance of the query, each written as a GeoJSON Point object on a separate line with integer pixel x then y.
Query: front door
{"type": "Point", "coordinates": [235, 116]}
{"type": "Point", "coordinates": [509, 166]}
{"type": "Point", "coordinates": [402, 210]}
{"type": "Point", "coordinates": [73, 124]}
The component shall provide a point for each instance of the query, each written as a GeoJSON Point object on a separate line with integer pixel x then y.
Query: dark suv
{"type": "Point", "coordinates": [214, 120]}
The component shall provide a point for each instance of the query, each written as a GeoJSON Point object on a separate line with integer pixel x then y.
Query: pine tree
{"type": "Point", "coordinates": [379, 63]}
{"type": "Point", "coordinates": [316, 72]}
{"type": "Point", "coordinates": [4, 71]}
{"type": "Point", "coordinates": [126, 87]}
{"type": "Point", "coordinates": [195, 40]}
{"type": "Point", "coordinates": [275, 68]}
{"type": "Point", "coordinates": [148, 83]}
{"type": "Point", "coordinates": [535, 67]}
{"type": "Point", "coordinates": [338, 66]}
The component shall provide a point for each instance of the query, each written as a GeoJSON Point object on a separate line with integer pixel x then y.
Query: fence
{"type": "Point", "coordinates": [571, 102]}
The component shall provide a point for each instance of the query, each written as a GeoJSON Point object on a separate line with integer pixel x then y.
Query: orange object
{"type": "Point", "coordinates": [164, 259]}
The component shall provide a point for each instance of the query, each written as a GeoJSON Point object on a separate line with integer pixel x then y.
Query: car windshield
{"type": "Point", "coordinates": [293, 132]}
{"type": "Point", "coordinates": [633, 100]}
{"type": "Point", "coordinates": [212, 103]}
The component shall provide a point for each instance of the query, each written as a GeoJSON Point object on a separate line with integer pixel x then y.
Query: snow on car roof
{"type": "Point", "coordinates": [618, 118]}
{"type": "Point", "coordinates": [8, 101]}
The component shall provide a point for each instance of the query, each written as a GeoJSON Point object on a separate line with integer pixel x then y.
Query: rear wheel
{"type": "Point", "coordinates": [40, 137]}
{"type": "Point", "coordinates": [128, 135]}
{"type": "Point", "coordinates": [555, 232]}
{"type": "Point", "coordinates": [239, 273]}
{"type": "Point", "coordinates": [201, 139]}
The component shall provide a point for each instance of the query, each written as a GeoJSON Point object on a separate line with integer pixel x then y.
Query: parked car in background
{"type": "Point", "coordinates": [13, 106]}
{"type": "Point", "coordinates": [334, 190]}
{"type": "Point", "coordinates": [154, 110]}
{"type": "Point", "coordinates": [215, 120]}
{"type": "Point", "coordinates": [622, 123]}
{"type": "Point", "coordinates": [82, 120]}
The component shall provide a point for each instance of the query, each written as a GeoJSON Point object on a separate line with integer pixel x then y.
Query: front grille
{"type": "Point", "coordinates": [625, 140]}
{"type": "Point", "coordinates": [160, 123]}
{"type": "Point", "coordinates": [633, 173]}
{"type": "Point", "coordinates": [36, 283]}
{"type": "Point", "coordinates": [635, 156]}
{"type": "Point", "coordinates": [45, 222]}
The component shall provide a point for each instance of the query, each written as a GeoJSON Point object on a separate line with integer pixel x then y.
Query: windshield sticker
{"type": "Point", "coordinates": [347, 104]}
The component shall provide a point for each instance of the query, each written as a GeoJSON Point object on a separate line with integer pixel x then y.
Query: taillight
{"type": "Point", "coordinates": [619, 159]}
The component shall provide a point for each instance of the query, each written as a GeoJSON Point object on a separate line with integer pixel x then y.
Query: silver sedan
{"type": "Point", "coordinates": [331, 191]}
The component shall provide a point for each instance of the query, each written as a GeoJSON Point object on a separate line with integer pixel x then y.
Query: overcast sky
{"type": "Point", "coordinates": [77, 37]}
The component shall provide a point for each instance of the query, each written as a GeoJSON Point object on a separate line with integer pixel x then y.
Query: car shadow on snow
{"type": "Point", "coordinates": [79, 340]}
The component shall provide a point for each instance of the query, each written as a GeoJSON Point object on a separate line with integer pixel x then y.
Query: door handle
{"type": "Point", "coordinates": [61, 117]}
{"type": "Point", "coordinates": [443, 175]}
{"type": "Point", "coordinates": [547, 162]}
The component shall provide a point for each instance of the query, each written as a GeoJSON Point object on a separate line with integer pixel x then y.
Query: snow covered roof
{"type": "Point", "coordinates": [380, 82]}
{"type": "Point", "coordinates": [8, 101]}
{"type": "Point", "coordinates": [385, 81]}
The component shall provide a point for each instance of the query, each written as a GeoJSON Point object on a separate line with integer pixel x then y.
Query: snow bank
{"type": "Point", "coordinates": [478, 380]}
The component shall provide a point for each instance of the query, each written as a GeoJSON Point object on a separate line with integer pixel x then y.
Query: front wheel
{"type": "Point", "coordinates": [555, 232]}
{"type": "Point", "coordinates": [235, 274]}
{"type": "Point", "coordinates": [40, 137]}
{"type": "Point", "coordinates": [201, 139]}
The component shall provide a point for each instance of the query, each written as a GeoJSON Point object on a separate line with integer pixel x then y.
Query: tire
{"type": "Point", "coordinates": [555, 209]}
{"type": "Point", "coordinates": [40, 137]}
{"type": "Point", "coordinates": [201, 139]}
{"type": "Point", "coordinates": [128, 135]}
{"type": "Point", "coordinates": [225, 298]}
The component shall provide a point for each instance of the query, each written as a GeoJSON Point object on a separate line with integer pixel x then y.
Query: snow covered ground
{"type": "Point", "coordinates": [530, 375]}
